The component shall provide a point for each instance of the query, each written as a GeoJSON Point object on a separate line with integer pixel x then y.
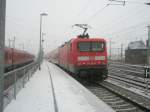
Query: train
{"type": "Point", "coordinates": [83, 56]}
{"type": "Point", "coordinates": [15, 58]}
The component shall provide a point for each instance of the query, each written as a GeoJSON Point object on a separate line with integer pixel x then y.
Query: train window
{"type": "Point", "coordinates": [91, 46]}
{"type": "Point", "coordinates": [97, 46]}
{"type": "Point", "coordinates": [84, 46]}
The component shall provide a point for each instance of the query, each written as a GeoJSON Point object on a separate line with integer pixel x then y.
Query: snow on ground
{"type": "Point", "coordinates": [70, 95]}
{"type": "Point", "coordinates": [77, 98]}
{"type": "Point", "coordinates": [36, 96]}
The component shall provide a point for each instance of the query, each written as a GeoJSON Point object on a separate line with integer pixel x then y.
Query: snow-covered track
{"type": "Point", "coordinates": [133, 70]}
{"type": "Point", "coordinates": [132, 82]}
{"type": "Point", "coordinates": [118, 102]}
{"type": "Point", "coordinates": [131, 75]}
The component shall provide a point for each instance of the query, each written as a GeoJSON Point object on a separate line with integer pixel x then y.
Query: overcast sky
{"type": "Point", "coordinates": [120, 23]}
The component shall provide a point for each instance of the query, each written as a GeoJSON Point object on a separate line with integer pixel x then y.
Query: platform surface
{"type": "Point", "coordinates": [37, 96]}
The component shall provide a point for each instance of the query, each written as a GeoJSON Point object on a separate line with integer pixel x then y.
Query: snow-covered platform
{"type": "Point", "coordinates": [70, 96]}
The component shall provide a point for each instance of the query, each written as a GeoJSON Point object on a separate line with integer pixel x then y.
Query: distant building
{"type": "Point", "coordinates": [136, 53]}
{"type": "Point", "coordinates": [137, 45]}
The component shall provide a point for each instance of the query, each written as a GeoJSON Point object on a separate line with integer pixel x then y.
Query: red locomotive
{"type": "Point", "coordinates": [82, 56]}
{"type": "Point", "coordinates": [86, 57]}
{"type": "Point", "coordinates": [16, 58]}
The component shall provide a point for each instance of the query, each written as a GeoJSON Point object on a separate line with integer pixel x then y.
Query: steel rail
{"type": "Point", "coordinates": [118, 63]}
{"type": "Point", "coordinates": [126, 76]}
{"type": "Point", "coordinates": [114, 100]}
{"type": "Point", "coordinates": [140, 69]}
{"type": "Point", "coordinates": [127, 81]}
{"type": "Point", "coordinates": [135, 98]}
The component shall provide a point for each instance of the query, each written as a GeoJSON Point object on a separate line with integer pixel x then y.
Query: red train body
{"type": "Point", "coordinates": [16, 58]}
{"type": "Point", "coordinates": [85, 57]}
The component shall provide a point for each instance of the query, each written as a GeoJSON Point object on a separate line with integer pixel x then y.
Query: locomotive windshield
{"type": "Point", "coordinates": [91, 46]}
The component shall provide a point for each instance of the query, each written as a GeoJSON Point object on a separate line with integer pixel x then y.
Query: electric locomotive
{"type": "Point", "coordinates": [83, 56]}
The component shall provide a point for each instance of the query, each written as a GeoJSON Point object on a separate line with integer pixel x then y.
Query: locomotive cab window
{"type": "Point", "coordinates": [84, 46]}
{"type": "Point", "coordinates": [97, 46]}
{"type": "Point", "coordinates": [91, 46]}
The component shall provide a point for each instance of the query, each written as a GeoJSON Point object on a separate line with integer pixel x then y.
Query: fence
{"type": "Point", "coordinates": [15, 80]}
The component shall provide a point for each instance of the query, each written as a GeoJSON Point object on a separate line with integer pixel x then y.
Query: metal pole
{"type": "Point", "coordinates": [110, 50]}
{"type": "Point", "coordinates": [15, 85]}
{"type": "Point", "coordinates": [2, 45]}
{"type": "Point", "coordinates": [14, 42]}
{"type": "Point", "coordinates": [40, 42]}
{"type": "Point", "coordinates": [118, 54]}
{"type": "Point", "coordinates": [121, 52]}
{"type": "Point", "coordinates": [40, 49]}
{"type": "Point", "coordinates": [13, 47]}
{"type": "Point", "coordinates": [9, 42]}
{"type": "Point", "coordinates": [148, 47]}
{"type": "Point", "coordinates": [23, 78]}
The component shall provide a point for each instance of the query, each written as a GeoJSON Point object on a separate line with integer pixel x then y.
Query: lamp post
{"type": "Point", "coordinates": [43, 38]}
{"type": "Point", "coordinates": [40, 50]}
{"type": "Point", "coordinates": [43, 43]}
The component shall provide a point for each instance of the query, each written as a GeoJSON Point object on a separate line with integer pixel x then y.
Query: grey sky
{"type": "Point", "coordinates": [22, 21]}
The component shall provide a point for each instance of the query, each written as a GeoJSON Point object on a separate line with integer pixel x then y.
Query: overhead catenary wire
{"type": "Point", "coordinates": [133, 2]}
{"type": "Point", "coordinates": [125, 29]}
{"type": "Point", "coordinates": [95, 14]}
{"type": "Point", "coordinates": [123, 18]}
{"type": "Point", "coordinates": [84, 8]}
{"type": "Point", "coordinates": [130, 27]}
{"type": "Point", "coordinates": [100, 10]}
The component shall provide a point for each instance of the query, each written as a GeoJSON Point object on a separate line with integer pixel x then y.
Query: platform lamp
{"type": "Point", "coordinates": [40, 50]}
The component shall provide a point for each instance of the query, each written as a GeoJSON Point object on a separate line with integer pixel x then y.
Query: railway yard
{"type": "Point", "coordinates": [74, 56]}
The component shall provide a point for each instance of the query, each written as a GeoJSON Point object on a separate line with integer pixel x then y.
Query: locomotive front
{"type": "Point", "coordinates": [90, 58]}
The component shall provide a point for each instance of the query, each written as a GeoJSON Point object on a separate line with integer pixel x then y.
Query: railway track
{"type": "Point", "coordinates": [128, 69]}
{"type": "Point", "coordinates": [117, 102]}
{"type": "Point", "coordinates": [131, 75]}
{"type": "Point", "coordinates": [119, 98]}
{"type": "Point", "coordinates": [131, 82]}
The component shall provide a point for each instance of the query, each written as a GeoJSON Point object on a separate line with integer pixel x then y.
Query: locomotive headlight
{"type": "Point", "coordinates": [100, 57]}
{"type": "Point", "coordinates": [83, 58]}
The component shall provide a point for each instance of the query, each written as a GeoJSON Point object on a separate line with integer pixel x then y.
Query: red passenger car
{"type": "Point", "coordinates": [85, 57]}
{"type": "Point", "coordinates": [16, 58]}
